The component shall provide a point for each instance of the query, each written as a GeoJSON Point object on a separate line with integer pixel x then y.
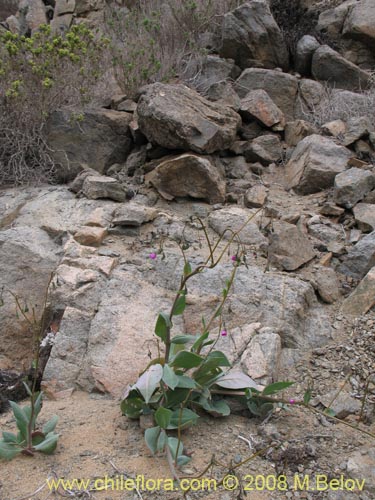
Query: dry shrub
{"type": "Point", "coordinates": [7, 8]}
{"type": "Point", "coordinates": [154, 41]}
{"type": "Point", "coordinates": [342, 105]}
{"type": "Point", "coordinates": [38, 75]}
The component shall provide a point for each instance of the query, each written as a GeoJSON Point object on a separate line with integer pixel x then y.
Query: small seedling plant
{"type": "Point", "coordinates": [29, 438]}
{"type": "Point", "coordinates": [191, 375]}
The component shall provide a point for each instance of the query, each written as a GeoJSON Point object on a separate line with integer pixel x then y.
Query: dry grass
{"type": "Point", "coordinates": [342, 105]}
{"type": "Point", "coordinates": [155, 41]}
{"type": "Point", "coordinates": [7, 8]}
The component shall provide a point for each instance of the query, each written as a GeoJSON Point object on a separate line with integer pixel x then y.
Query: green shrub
{"type": "Point", "coordinates": [38, 75]}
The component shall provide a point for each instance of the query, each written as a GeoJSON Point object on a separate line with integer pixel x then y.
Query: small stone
{"type": "Point", "coordinates": [363, 297]}
{"type": "Point", "coordinates": [258, 105]}
{"type": "Point", "coordinates": [364, 214]}
{"type": "Point", "coordinates": [352, 186]}
{"type": "Point", "coordinates": [256, 196]}
{"type": "Point", "coordinates": [95, 187]}
{"type": "Point", "coordinates": [90, 235]}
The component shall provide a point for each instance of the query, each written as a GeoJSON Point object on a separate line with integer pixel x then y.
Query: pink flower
{"type": "Point", "coordinates": [224, 333]}
{"type": "Point", "coordinates": [153, 256]}
{"type": "Point", "coordinates": [292, 401]}
{"type": "Point", "coordinates": [234, 258]}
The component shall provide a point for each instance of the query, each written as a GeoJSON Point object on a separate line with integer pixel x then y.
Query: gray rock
{"type": "Point", "coordinates": [329, 66]}
{"type": "Point", "coordinates": [176, 117]}
{"type": "Point", "coordinates": [84, 6]}
{"type": "Point", "coordinates": [258, 105]}
{"type": "Point", "coordinates": [362, 299]}
{"type": "Point", "coordinates": [97, 138]}
{"type": "Point", "coordinates": [370, 198]}
{"type": "Point", "coordinates": [103, 187]}
{"type": "Point", "coordinates": [306, 47]}
{"type": "Point", "coordinates": [327, 284]}
{"type": "Point", "coordinates": [260, 359]}
{"type": "Point", "coordinates": [210, 70]}
{"type": "Point", "coordinates": [281, 87]}
{"type": "Point", "coordinates": [256, 196]}
{"type": "Point", "coordinates": [265, 149]}
{"type": "Point", "coordinates": [335, 128]}
{"type": "Point", "coordinates": [297, 130]}
{"type": "Point", "coordinates": [342, 404]}
{"type": "Point", "coordinates": [235, 218]}
{"type": "Point", "coordinates": [66, 364]}
{"type": "Point", "coordinates": [352, 186]}
{"type": "Point", "coordinates": [189, 175]}
{"type": "Point", "coordinates": [364, 215]}
{"type": "Point", "coordinates": [250, 35]}
{"type": "Point", "coordinates": [332, 20]}
{"type": "Point", "coordinates": [360, 259]}
{"type": "Point", "coordinates": [28, 256]}
{"type": "Point", "coordinates": [327, 232]}
{"type": "Point", "coordinates": [360, 465]}
{"type": "Point", "coordinates": [310, 96]}
{"type": "Point", "coordinates": [314, 164]}
{"type": "Point", "coordinates": [356, 129]}
{"type": "Point", "coordinates": [133, 214]}
{"type": "Point", "coordinates": [289, 248]}
{"type": "Point", "coordinates": [64, 7]}
{"type": "Point", "coordinates": [224, 93]}
{"type": "Point", "coordinates": [31, 14]}
{"type": "Point", "coordinates": [360, 22]}
{"type": "Point", "coordinates": [287, 305]}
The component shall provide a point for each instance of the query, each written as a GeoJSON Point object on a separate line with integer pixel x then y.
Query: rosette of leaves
{"type": "Point", "coordinates": [29, 439]}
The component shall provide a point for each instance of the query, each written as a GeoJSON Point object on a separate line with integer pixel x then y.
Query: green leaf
{"type": "Point", "coordinates": [48, 446]}
{"type": "Point", "coordinates": [21, 419]}
{"type": "Point", "coordinates": [187, 268]}
{"type": "Point", "coordinates": [207, 375]}
{"type": "Point", "coordinates": [132, 407]}
{"type": "Point", "coordinates": [183, 460]}
{"type": "Point", "coordinates": [215, 359]}
{"type": "Point", "coordinates": [50, 425]}
{"type": "Point", "coordinates": [163, 325]}
{"type": "Point", "coordinates": [9, 437]}
{"type": "Point", "coordinates": [307, 396]}
{"type": "Point", "coordinates": [37, 438]}
{"type": "Point", "coordinates": [235, 379]}
{"type": "Point", "coordinates": [276, 387]}
{"type": "Point", "coordinates": [169, 377]}
{"type": "Point", "coordinates": [329, 412]}
{"type": "Point", "coordinates": [182, 419]}
{"type": "Point", "coordinates": [198, 343]}
{"type": "Point", "coordinates": [176, 397]}
{"type": "Point", "coordinates": [163, 417]}
{"type": "Point", "coordinates": [186, 359]}
{"type": "Point", "coordinates": [183, 339]}
{"type": "Point", "coordinates": [28, 390]}
{"type": "Point", "coordinates": [8, 450]}
{"type": "Point", "coordinates": [216, 408]}
{"type": "Point", "coordinates": [162, 440]}
{"type": "Point", "coordinates": [186, 382]}
{"type": "Point", "coordinates": [148, 381]}
{"type": "Point", "coordinates": [175, 446]}
{"type": "Point", "coordinates": [179, 306]}
{"type": "Point", "coordinates": [151, 438]}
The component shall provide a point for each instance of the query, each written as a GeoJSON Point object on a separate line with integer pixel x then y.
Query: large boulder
{"type": "Point", "coordinates": [281, 87]}
{"type": "Point", "coordinates": [314, 164]}
{"type": "Point", "coordinates": [360, 22]}
{"type": "Point", "coordinates": [176, 117]}
{"type": "Point", "coordinates": [360, 259]}
{"type": "Point", "coordinates": [331, 21]}
{"type": "Point", "coordinates": [352, 186]}
{"type": "Point", "coordinates": [189, 175]}
{"type": "Point", "coordinates": [329, 66]}
{"type": "Point", "coordinates": [289, 248]}
{"type": "Point", "coordinates": [251, 37]}
{"type": "Point", "coordinates": [306, 47]}
{"type": "Point", "coordinates": [258, 105]}
{"type": "Point", "coordinates": [97, 138]}
{"type": "Point", "coordinates": [31, 14]}
{"type": "Point", "coordinates": [28, 256]}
